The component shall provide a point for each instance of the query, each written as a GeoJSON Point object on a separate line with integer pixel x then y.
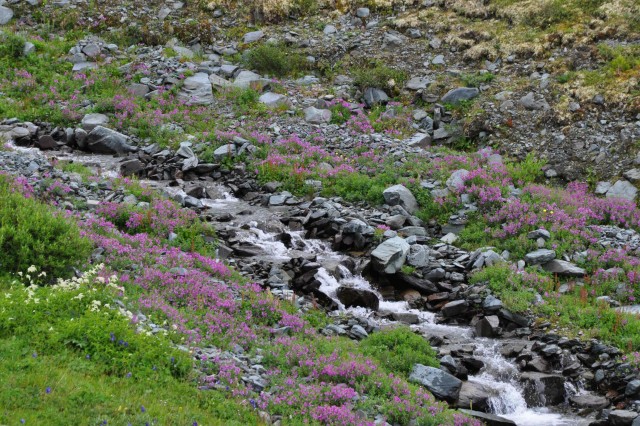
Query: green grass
{"type": "Point", "coordinates": [380, 76]}
{"type": "Point", "coordinates": [276, 60]}
{"type": "Point", "coordinates": [64, 362]}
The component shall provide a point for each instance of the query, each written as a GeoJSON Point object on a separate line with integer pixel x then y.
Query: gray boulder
{"type": "Point", "coordinates": [456, 180]}
{"type": "Point", "coordinates": [273, 100]}
{"type": "Point", "coordinates": [539, 256]}
{"type": "Point", "coordinates": [196, 90]}
{"type": "Point", "coordinates": [440, 383]}
{"type": "Point", "coordinates": [350, 296]}
{"type": "Point", "coordinates": [563, 268]}
{"type": "Point", "coordinates": [91, 121]}
{"type": "Point", "coordinates": [455, 96]}
{"type": "Point", "coordinates": [400, 195]}
{"type": "Point", "coordinates": [5, 15]}
{"type": "Point", "coordinates": [418, 256]}
{"type": "Point", "coordinates": [224, 151]}
{"type": "Point", "coordinates": [474, 396]}
{"type": "Point", "coordinates": [488, 326]}
{"type": "Point", "coordinates": [374, 96]}
{"type": "Point", "coordinates": [455, 308]}
{"type": "Point", "coordinates": [593, 402]}
{"type": "Point", "coordinates": [622, 189]}
{"type": "Point", "coordinates": [622, 417]}
{"type": "Point", "coordinates": [314, 115]}
{"type": "Point", "coordinates": [253, 36]}
{"type": "Point", "coordinates": [488, 419]}
{"type": "Point", "coordinates": [389, 256]}
{"type": "Point", "coordinates": [106, 141]}
{"type": "Point", "coordinates": [541, 390]}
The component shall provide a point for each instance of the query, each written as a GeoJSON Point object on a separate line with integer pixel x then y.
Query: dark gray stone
{"type": "Point", "coordinates": [455, 308]}
{"type": "Point", "coordinates": [539, 256]}
{"type": "Point", "coordinates": [350, 297]}
{"type": "Point", "coordinates": [460, 94]}
{"type": "Point", "coordinates": [374, 96]}
{"type": "Point", "coordinates": [106, 141]}
{"type": "Point", "coordinates": [440, 383]}
{"type": "Point", "coordinates": [488, 419]}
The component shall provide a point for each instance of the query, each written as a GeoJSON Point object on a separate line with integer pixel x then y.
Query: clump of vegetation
{"type": "Point", "coordinates": [475, 80]}
{"type": "Point", "coordinates": [380, 76]}
{"type": "Point", "coordinates": [399, 349]}
{"type": "Point", "coordinates": [275, 59]}
{"type": "Point", "coordinates": [11, 46]}
{"type": "Point", "coordinates": [31, 234]}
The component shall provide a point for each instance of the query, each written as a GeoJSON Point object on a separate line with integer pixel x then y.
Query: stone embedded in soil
{"type": "Point", "coordinates": [196, 90]}
{"type": "Point", "coordinates": [91, 121]}
{"type": "Point", "coordinates": [440, 383]}
{"type": "Point", "coordinates": [5, 15]}
{"type": "Point", "coordinates": [374, 96]}
{"type": "Point", "coordinates": [622, 189]}
{"type": "Point", "coordinates": [460, 94]}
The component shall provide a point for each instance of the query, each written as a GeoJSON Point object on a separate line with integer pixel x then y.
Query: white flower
{"type": "Point", "coordinates": [31, 269]}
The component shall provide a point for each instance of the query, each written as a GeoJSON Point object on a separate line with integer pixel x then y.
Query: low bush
{"type": "Point", "coordinates": [399, 349]}
{"type": "Point", "coordinates": [32, 234]}
{"type": "Point", "coordinates": [275, 59]}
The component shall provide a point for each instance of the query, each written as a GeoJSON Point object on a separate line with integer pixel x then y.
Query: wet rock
{"type": "Point", "coordinates": [474, 396]}
{"type": "Point", "coordinates": [400, 195]}
{"type": "Point", "coordinates": [488, 326]}
{"type": "Point", "coordinates": [102, 140]}
{"type": "Point", "coordinates": [633, 388]}
{"type": "Point", "coordinates": [389, 256]}
{"type": "Point", "coordinates": [542, 389]}
{"type": "Point", "coordinates": [539, 256]}
{"type": "Point", "coordinates": [46, 142]}
{"type": "Point", "coordinates": [622, 417]}
{"type": "Point", "coordinates": [593, 402]}
{"type": "Point", "coordinates": [488, 419]}
{"type": "Point", "coordinates": [440, 383]}
{"type": "Point", "coordinates": [350, 297]}
{"type": "Point", "coordinates": [455, 308]}
{"type": "Point", "coordinates": [563, 268]}
{"type": "Point", "coordinates": [196, 90]}
{"type": "Point", "coordinates": [406, 317]}
{"type": "Point", "coordinates": [455, 96]}
{"type": "Point", "coordinates": [491, 304]}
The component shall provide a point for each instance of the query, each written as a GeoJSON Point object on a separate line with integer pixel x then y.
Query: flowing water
{"type": "Point", "coordinates": [498, 374]}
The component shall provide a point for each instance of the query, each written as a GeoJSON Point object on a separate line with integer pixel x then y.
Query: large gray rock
{"type": "Point", "coordinates": [488, 419]}
{"type": "Point", "coordinates": [455, 308]}
{"type": "Point", "coordinates": [5, 15]}
{"type": "Point", "coordinates": [593, 402]}
{"type": "Point", "coordinates": [488, 326]}
{"type": "Point", "coordinates": [460, 94]}
{"type": "Point", "coordinates": [539, 256]}
{"type": "Point", "coordinates": [622, 417]}
{"type": "Point", "coordinates": [350, 296]}
{"type": "Point", "coordinates": [400, 195]}
{"type": "Point", "coordinates": [106, 141]}
{"type": "Point", "coordinates": [374, 96]}
{"type": "Point", "coordinates": [91, 121]}
{"type": "Point", "coordinates": [224, 151]}
{"type": "Point", "coordinates": [474, 396]}
{"type": "Point", "coordinates": [389, 256]}
{"type": "Point", "coordinates": [418, 256]}
{"type": "Point", "coordinates": [440, 383]}
{"type": "Point", "coordinates": [623, 189]}
{"type": "Point", "coordinates": [196, 90]}
{"type": "Point", "coordinates": [314, 115]}
{"type": "Point", "coordinates": [563, 268]}
{"type": "Point", "coordinates": [250, 79]}
{"type": "Point", "coordinates": [273, 100]}
{"type": "Point", "coordinates": [456, 180]}
{"type": "Point", "coordinates": [253, 36]}
{"type": "Point", "coordinates": [541, 390]}
{"type": "Point", "coordinates": [418, 83]}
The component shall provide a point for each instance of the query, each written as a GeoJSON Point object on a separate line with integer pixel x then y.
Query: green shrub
{"type": "Point", "coordinates": [527, 171]}
{"type": "Point", "coordinates": [12, 46]}
{"type": "Point", "coordinates": [275, 59]}
{"type": "Point", "coordinates": [399, 349]}
{"type": "Point", "coordinates": [340, 114]}
{"type": "Point", "coordinates": [475, 80]}
{"type": "Point", "coordinates": [32, 234]}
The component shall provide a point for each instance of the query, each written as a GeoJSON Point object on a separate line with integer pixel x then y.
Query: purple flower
{"type": "Point", "coordinates": [113, 337]}
{"type": "Point", "coordinates": [143, 409]}
{"type": "Point", "coordinates": [34, 355]}
{"type": "Point", "coordinates": [48, 389]}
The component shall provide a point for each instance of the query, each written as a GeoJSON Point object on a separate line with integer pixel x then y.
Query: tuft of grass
{"type": "Point", "coordinates": [475, 80]}
{"type": "Point", "coordinates": [12, 46]}
{"type": "Point", "coordinates": [380, 76]}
